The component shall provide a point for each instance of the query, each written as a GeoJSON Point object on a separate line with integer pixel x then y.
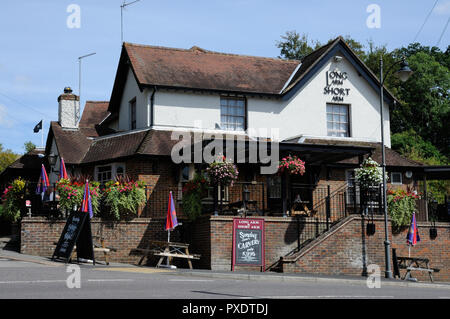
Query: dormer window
{"type": "Point", "coordinates": [133, 114]}
{"type": "Point", "coordinates": [232, 113]}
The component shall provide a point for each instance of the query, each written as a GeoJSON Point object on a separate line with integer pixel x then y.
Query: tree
{"type": "Point", "coordinates": [7, 157]}
{"type": "Point", "coordinates": [295, 46]}
{"type": "Point", "coordinates": [426, 97]}
{"type": "Point", "coordinates": [29, 146]}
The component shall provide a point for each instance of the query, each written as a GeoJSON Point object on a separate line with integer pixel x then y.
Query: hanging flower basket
{"type": "Point", "coordinates": [369, 174]}
{"type": "Point", "coordinates": [222, 172]}
{"type": "Point", "coordinates": [292, 165]}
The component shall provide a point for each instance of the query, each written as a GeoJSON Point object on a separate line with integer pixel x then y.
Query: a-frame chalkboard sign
{"type": "Point", "coordinates": [77, 231]}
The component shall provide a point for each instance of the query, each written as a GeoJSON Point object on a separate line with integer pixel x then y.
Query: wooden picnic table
{"type": "Point", "coordinates": [168, 250]}
{"type": "Point", "coordinates": [416, 264]}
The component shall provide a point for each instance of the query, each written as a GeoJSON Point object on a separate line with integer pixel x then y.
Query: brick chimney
{"type": "Point", "coordinates": [68, 109]}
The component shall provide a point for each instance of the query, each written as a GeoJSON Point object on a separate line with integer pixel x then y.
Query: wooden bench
{"type": "Point", "coordinates": [167, 250]}
{"type": "Point", "coordinates": [413, 264]}
{"type": "Point", "coordinates": [97, 248]}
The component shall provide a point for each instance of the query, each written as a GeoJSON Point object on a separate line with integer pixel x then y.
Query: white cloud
{"type": "Point", "coordinates": [442, 8]}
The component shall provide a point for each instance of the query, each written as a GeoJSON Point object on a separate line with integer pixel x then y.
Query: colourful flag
{"type": "Point", "coordinates": [413, 235]}
{"type": "Point", "coordinates": [86, 204]}
{"type": "Point", "coordinates": [62, 169]}
{"type": "Point", "coordinates": [43, 183]}
{"type": "Point", "coordinates": [171, 220]}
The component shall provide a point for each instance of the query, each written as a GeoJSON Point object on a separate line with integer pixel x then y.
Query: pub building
{"type": "Point", "coordinates": [325, 109]}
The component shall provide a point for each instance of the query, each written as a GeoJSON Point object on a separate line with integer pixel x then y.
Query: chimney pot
{"type": "Point", "coordinates": [67, 89]}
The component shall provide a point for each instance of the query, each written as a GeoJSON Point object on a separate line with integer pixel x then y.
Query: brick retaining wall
{"type": "Point", "coordinates": [348, 250]}
{"type": "Point", "coordinates": [38, 235]}
{"type": "Point", "coordinates": [345, 250]}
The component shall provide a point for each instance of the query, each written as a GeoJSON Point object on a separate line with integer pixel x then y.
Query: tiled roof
{"type": "Point", "coordinates": [29, 160]}
{"type": "Point", "coordinates": [111, 147]}
{"type": "Point", "coordinates": [94, 113]}
{"type": "Point", "coordinates": [71, 144]}
{"type": "Point", "coordinates": [197, 68]}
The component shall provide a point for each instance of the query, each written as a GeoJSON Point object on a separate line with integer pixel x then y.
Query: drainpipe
{"type": "Point", "coordinates": [152, 99]}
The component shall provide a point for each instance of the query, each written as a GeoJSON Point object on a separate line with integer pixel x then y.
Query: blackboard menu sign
{"type": "Point", "coordinates": [248, 242]}
{"type": "Point", "coordinates": [76, 231]}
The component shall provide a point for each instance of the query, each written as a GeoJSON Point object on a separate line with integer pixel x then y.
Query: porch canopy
{"type": "Point", "coordinates": [436, 172]}
{"type": "Point", "coordinates": [323, 154]}
{"type": "Point", "coordinates": [315, 154]}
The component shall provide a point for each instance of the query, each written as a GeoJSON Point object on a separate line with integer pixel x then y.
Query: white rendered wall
{"type": "Point", "coordinates": [130, 91]}
{"type": "Point", "coordinates": [68, 113]}
{"type": "Point", "coordinates": [303, 114]}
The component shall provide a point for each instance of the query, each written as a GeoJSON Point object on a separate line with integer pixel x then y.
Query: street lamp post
{"type": "Point", "coordinates": [403, 74]}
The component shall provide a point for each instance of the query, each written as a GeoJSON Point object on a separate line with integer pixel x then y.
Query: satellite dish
{"type": "Point", "coordinates": [408, 174]}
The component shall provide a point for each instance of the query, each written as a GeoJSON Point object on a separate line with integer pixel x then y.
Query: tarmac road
{"type": "Point", "coordinates": [40, 278]}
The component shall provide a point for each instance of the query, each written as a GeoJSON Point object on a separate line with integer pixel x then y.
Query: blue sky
{"type": "Point", "coordinates": [39, 52]}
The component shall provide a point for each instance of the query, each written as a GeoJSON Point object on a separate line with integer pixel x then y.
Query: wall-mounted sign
{"type": "Point", "coordinates": [248, 242]}
{"type": "Point", "coordinates": [334, 82]}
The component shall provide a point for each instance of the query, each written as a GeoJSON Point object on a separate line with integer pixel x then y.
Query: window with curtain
{"type": "Point", "coordinates": [232, 113]}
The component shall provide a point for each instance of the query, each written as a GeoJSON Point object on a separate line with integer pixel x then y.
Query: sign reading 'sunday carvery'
{"type": "Point", "coordinates": [334, 82]}
{"type": "Point", "coordinates": [248, 242]}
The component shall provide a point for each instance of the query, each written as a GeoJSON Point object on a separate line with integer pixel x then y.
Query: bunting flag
{"type": "Point", "coordinates": [43, 183]}
{"type": "Point", "coordinates": [62, 169]}
{"type": "Point", "coordinates": [413, 235]}
{"type": "Point", "coordinates": [86, 204]}
{"type": "Point", "coordinates": [171, 220]}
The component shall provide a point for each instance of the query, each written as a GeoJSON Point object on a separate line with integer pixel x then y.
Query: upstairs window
{"type": "Point", "coordinates": [338, 120]}
{"type": "Point", "coordinates": [232, 113]}
{"type": "Point", "coordinates": [133, 114]}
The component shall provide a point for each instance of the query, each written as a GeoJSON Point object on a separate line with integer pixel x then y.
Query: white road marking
{"type": "Point", "coordinates": [108, 280]}
{"type": "Point", "coordinates": [190, 280]}
{"type": "Point", "coordinates": [324, 297]}
{"type": "Point", "coordinates": [55, 281]}
{"type": "Point", "coordinates": [30, 281]}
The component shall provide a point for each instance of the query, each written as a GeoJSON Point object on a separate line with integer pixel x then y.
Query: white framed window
{"type": "Point", "coordinates": [396, 178]}
{"type": "Point", "coordinates": [105, 173]}
{"type": "Point", "coordinates": [232, 113]}
{"type": "Point", "coordinates": [338, 120]}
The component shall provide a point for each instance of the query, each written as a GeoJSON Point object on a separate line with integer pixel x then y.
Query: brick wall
{"type": "Point", "coordinates": [345, 250]}
{"type": "Point", "coordinates": [38, 235]}
{"type": "Point", "coordinates": [348, 250]}
{"type": "Point", "coordinates": [212, 237]}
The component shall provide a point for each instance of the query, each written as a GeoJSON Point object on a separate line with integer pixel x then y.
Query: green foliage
{"type": "Point", "coordinates": [426, 100]}
{"type": "Point", "coordinates": [13, 197]}
{"type": "Point", "coordinates": [29, 146]}
{"type": "Point", "coordinates": [295, 46]}
{"type": "Point", "coordinates": [7, 157]}
{"type": "Point", "coordinates": [401, 205]}
{"type": "Point", "coordinates": [413, 146]}
{"type": "Point", "coordinates": [193, 192]}
{"type": "Point", "coordinates": [123, 198]}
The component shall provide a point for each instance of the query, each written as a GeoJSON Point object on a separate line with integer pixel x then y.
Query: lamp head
{"type": "Point", "coordinates": [52, 159]}
{"type": "Point", "coordinates": [404, 72]}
